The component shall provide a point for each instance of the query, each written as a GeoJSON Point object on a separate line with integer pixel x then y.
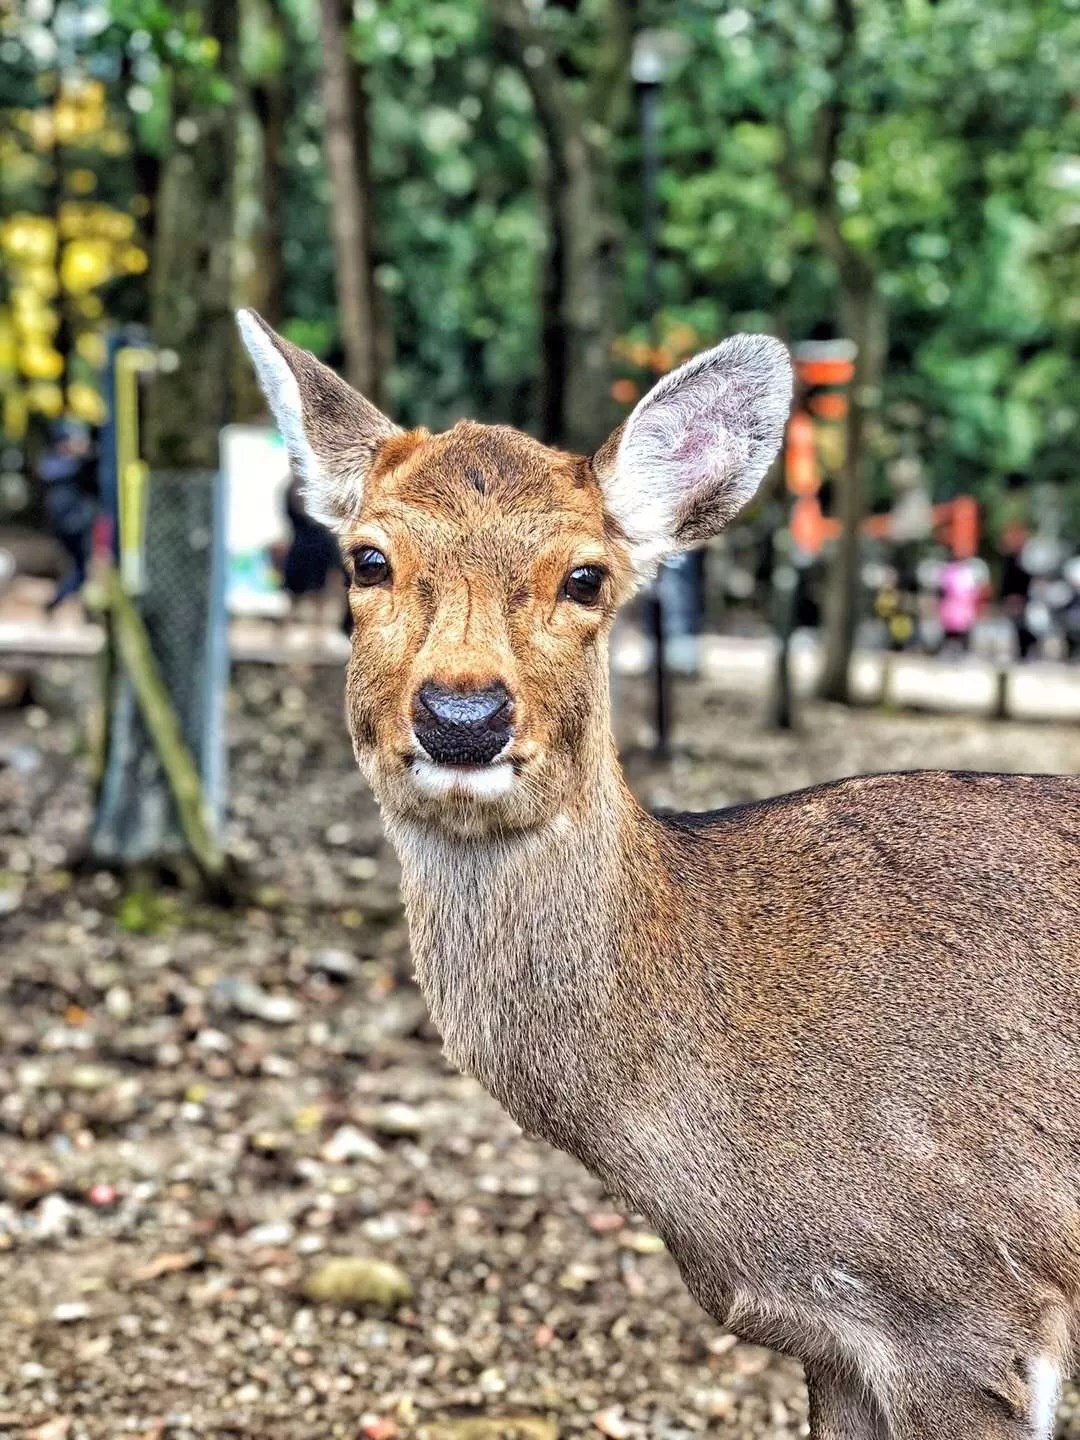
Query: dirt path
{"type": "Point", "coordinates": [197, 1109]}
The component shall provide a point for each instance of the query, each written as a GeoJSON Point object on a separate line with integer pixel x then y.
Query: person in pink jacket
{"type": "Point", "coordinates": [958, 605]}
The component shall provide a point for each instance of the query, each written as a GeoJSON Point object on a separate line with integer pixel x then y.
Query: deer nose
{"type": "Point", "coordinates": [462, 727]}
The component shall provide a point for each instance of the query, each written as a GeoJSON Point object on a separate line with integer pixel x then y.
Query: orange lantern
{"type": "Point", "coordinates": [800, 461]}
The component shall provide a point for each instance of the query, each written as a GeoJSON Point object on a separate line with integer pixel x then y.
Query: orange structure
{"type": "Point", "coordinates": [822, 368]}
{"type": "Point", "coordinates": [955, 523]}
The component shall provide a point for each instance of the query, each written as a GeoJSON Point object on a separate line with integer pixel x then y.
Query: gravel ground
{"type": "Point", "coordinates": [199, 1109]}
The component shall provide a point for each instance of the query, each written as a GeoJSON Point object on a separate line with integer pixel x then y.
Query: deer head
{"type": "Point", "coordinates": [486, 568]}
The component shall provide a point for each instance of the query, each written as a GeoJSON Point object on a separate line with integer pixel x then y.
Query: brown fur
{"type": "Point", "coordinates": [827, 1044]}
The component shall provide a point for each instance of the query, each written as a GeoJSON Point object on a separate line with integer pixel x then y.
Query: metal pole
{"type": "Point", "coordinates": [649, 95]}
{"type": "Point", "coordinates": [786, 577]}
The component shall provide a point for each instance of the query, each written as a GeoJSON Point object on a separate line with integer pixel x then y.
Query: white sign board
{"type": "Point", "coordinates": [255, 467]}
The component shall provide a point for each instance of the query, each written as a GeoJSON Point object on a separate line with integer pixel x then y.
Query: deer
{"type": "Point", "coordinates": [827, 1043]}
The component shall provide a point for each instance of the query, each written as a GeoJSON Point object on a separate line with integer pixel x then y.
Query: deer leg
{"type": "Point", "coordinates": [840, 1409]}
{"type": "Point", "coordinates": [1020, 1406]}
{"type": "Point", "coordinates": [968, 1417]}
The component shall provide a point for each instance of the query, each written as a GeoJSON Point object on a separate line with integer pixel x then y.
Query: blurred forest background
{"type": "Point", "coordinates": [444, 199]}
{"type": "Point", "coordinates": [241, 1192]}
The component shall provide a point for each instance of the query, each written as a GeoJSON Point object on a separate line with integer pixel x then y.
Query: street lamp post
{"type": "Point", "coordinates": [654, 53]}
{"type": "Point", "coordinates": [647, 69]}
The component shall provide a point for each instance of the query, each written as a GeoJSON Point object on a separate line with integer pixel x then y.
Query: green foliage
{"type": "Point", "coordinates": [952, 181]}
{"type": "Point", "coordinates": [955, 181]}
{"type": "Point", "coordinates": [146, 911]}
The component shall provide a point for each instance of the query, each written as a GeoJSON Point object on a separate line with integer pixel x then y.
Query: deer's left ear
{"type": "Point", "coordinates": [331, 432]}
{"type": "Point", "coordinates": [695, 449]}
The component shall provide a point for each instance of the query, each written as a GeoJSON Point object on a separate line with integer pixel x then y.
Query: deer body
{"type": "Point", "coordinates": [827, 1044]}
{"type": "Point", "coordinates": [637, 1005]}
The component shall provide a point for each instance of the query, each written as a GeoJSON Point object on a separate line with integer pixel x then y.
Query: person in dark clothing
{"type": "Point", "coordinates": [313, 556]}
{"type": "Point", "coordinates": [1070, 615]}
{"type": "Point", "coordinates": [67, 474]}
{"type": "Point", "coordinates": [1016, 589]}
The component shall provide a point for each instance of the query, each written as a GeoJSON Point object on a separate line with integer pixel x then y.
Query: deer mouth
{"type": "Point", "coordinates": [479, 782]}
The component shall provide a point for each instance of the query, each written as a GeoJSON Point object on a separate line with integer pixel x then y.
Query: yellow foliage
{"type": "Point", "coordinates": [7, 343]}
{"type": "Point", "coordinates": [86, 94]}
{"type": "Point", "coordinates": [41, 279]}
{"type": "Point", "coordinates": [85, 403]}
{"type": "Point", "coordinates": [86, 218]}
{"type": "Point", "coordinates": [91, 346]}
{"type": "Point", "coordinates": [54, 264]}
{"type": "Point", "coordinates": [71, 220]}
{"type": "Point", "coordinates": [74, 218]}
{"type": "Point", "coordinates": [28, 239]}
{"type": "Point", "coordinates": [85, 264]}
{"type": "Point", "coordinates": [65, 119]}
{"type": "Point", "coordinates": [82, 181]}
{"type": "Point", "coordinates": [114, 142]}
{"type": "Point", "coordinates": [36, 325]}
{"type": "Point", "coordinates": [46, 398]}
{"type": "Point", "coordinates": [14, 413]}
{"type": "Point", "coordinates": [79, 114]}
{"type": "Point", "coordinates": [115, 224]}
{"type": "Point", "coordinates": [134, 260]}
{"type": "Point", "coordinates": [32, 315]}
{"type": "Point", "coordinates": [39, 124]}
{"type": "Point", "coordinates": [41, 362]}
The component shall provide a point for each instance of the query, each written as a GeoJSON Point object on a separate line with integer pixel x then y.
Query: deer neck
{"type": "Point", "coordinates": [521, 941]}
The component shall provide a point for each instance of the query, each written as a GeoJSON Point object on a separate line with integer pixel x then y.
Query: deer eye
{"type": "Point", "coordinates": [584, 584]}
{"type": "Point", "coordinates": [369, 566]}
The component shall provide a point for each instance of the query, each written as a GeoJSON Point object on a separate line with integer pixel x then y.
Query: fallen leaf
{"type": "Point", "coordinates": [168, 1263]}
{"type": "Point", "coordinates": [380, 1427]}
{"type": "Point", "coordinates": [643, 1242]}
{"type": "Point", "coordinates": [604, 1221]}
{"type": "Point", "coordinates": [54, 1429]}
{"type": "Point", "coordinates": [612, 1423]}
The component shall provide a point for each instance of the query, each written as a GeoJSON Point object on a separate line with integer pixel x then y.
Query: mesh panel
{"type": "Point", "coordinates": [136, 820]}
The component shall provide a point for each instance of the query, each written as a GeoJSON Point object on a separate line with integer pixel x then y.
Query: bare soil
{"type": "Point", "coordinates": [198, 1107]}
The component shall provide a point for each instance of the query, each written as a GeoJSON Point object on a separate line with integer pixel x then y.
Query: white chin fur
{"type": "Point", "coordinates": [486, 782]}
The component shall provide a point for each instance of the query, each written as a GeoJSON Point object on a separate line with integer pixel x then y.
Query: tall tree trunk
{"type": "Point", "coordinates": [347, 160]}
{"type": "Point", "coordinates": [588, 310]}
{"type": "Point", "coordinates": [146, 166]}
{"type": "Point", "coordinates": [864, 317]}
{"type": "Point", "coordinates": [139, 813]}
{"type": "Point", "coordinates": [271, 107]}
{"type": "Point", "coordinates": [260, 183]}
{"type": "Point", "coordinates": [578, 322]}
{"type": "Point", "coordinates": [551, 379]}
{"type": "Point", "coordinates": [578, 316]}
{"type": "Point", "coordinates": [191, 278]}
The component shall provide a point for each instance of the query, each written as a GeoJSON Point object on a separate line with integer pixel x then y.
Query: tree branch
{"type": "Point", "coordinates": [522, 44]}
{"type": "Point", "coordinates": [609, 89]}
{"type": "Point", "coordinates": [832, 120]}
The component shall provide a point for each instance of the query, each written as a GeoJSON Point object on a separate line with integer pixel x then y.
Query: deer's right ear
{"type": "Point", "coordinates": [331, 432]}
